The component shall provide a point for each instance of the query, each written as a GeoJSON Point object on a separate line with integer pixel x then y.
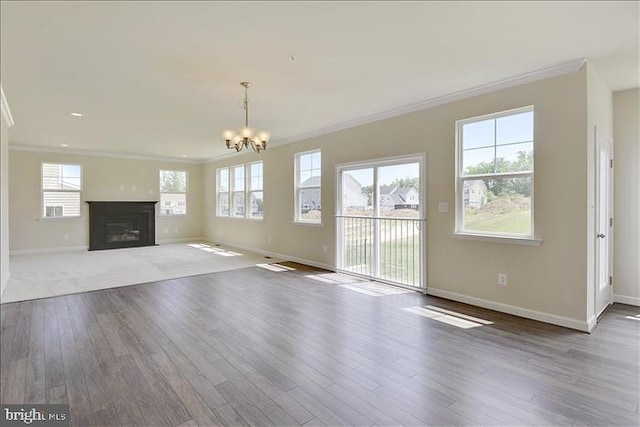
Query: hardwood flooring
{"type": "Point", "coordinates": [293, 347]}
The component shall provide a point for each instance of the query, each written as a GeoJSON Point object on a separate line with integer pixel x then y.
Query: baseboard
{"type": "Point", "coordinates": [3, 285]}
{"type": "Point", "coordinates": [86, 248]}
{"type": "Point", "coordinates": [49, 250]}
{"type": "Point", "coordinates": [592, 323]}
{"type": "Point", "coordinates": [272, 254]}
{"type": "Point", "coordinates": [566, 322]}
{"type": "Point", "coordinates": [623, 299]}
{"type": "Point", "coordinates": [180, 240]}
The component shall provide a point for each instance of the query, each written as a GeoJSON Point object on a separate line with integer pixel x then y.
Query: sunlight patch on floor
{"type": "Point", "coordinates": [214, 249]}
{"type": "Point", "coordinates": [447, 316]}
{"type": "Point", "coordinates": [636, 317]}
{"type": "Point", "coordinates": [375, 289]}
{"type": "Point", "coordinates": [275, 267]}
{"type": "Point", "coordinates": [333, 278]}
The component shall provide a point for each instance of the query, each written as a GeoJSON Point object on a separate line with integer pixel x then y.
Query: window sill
{"type": "Point", "coordinates": [239, 218]}
{"type": "Point", "coordinates": [525, 241]}
{"type": "Point", "coordinates": [174, 216]}
{"type": "Point", "coordinates": [310, 223]}
{"type": "Point", "coordinates": [59, 219]}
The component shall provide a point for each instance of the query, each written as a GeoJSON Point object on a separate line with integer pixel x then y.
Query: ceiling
{"type": "Point", "coordinates": [161, 78]}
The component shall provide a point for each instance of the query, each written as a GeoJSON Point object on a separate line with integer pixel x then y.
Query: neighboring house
{"type": "Point", "coordinates": [394, 197]}
{"type": "Point", "coordinates": [64, 203]}
{"type": "Point", "coordinates": [475, 193]}
{"type": "Point", "coordinates": [352, 197]}
{"type": "Point", "coordinates": [387, 201]}
{"type": "Point", "coordinates": [310, 197]}
{"type": "Point", "coordinates": [174, 204]}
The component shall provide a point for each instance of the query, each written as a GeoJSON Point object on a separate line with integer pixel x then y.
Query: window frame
{"type": "Point", "coordinates": [233, 191]}
{"type": "Point", "coordinates": [42, 215]}
{"type": "Point", "coordinates": [186, 191]}
{"type": "Point", "coordinates": [249, 191]}
{"type": "Point", "coordinates": [219, 192]}
{"type": "Point", "coordinates": [460, 178]}
{"type": "Point", "coordinates": [297, 212]}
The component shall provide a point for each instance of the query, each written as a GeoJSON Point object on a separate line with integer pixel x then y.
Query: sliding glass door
{"type": "Point", "coordinates": [380, 220]}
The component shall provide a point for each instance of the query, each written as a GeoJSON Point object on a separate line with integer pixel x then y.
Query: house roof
{"type": "Point", "coordinates": [314, 181]}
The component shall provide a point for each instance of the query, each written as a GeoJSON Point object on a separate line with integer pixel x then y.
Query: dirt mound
{"type": "Point", "coordinates": [506, 204]}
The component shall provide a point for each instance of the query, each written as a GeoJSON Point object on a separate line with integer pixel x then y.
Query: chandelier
{"type": "Point", "coordinates": [245, 136]}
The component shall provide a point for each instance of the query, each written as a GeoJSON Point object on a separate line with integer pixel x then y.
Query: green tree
{"type": "Point", "coordinates": [173, 181]}
{"type": "Point", "coordinates": [367, 190]}
{"type": "Point", "coordinates": [508, 186]}
{"type": "Point", "coordinates": [407, 182]}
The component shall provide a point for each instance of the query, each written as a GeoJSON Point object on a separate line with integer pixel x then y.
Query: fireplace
{"type": "Point", "coordinates": [121, 224]}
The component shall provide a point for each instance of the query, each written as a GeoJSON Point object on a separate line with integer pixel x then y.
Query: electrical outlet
{"type": "Point", "coordinates": [325, 249]}
{"type": "Point", "coordinates": [443, 207]}
{"type": "Point", "coordinates": [66, 236]}
{"type": "Point", "coordinates": [502, 279]}
{"type": "Point", "coordinates": [269, 239]}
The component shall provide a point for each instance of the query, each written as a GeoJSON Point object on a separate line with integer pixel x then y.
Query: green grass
{"type": "Point", "coordinates": [513, 222]}
{"type": "Point", "coordinates": [399, 260]}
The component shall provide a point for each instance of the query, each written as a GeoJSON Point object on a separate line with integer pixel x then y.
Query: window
{"type": "Point", "coordinates": [223, 192]}
{"type": "Point", "coordinates": [495, 174]}
{"type": "Point", "coordinates": [61, 190]}
{"type": "Point", "coordinates": [237, 195]}
{"type": "Point", "coordinates": [256, 198]}
{"type": "Point", "coordinates": [240, 191]}
{"type": "Point", "coordinates": [308, 187]}
{"type": "Point", "coordinates": [173, 192]}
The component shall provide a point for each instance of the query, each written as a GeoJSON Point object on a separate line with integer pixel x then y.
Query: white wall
{"type": "Point", "coordinates": [104, 178]}
{"type": "Point", "coordinates": [548, 282]}
{"type": "Point", "coordinates": [626, 132]}
{"type": "Point", "coordinates": [6, 122]}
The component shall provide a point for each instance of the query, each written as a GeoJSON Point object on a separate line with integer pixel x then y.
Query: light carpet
{"type": "Point", "coordinates": [52, 274]}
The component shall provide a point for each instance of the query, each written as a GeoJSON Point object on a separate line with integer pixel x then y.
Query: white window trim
{"type": "Point", "coordinates": [460, 232]}
{"type": "Point", "coordinates": [186, 187]}
{"type": "Point", "coordinates": [246, 167]}
{"type": "Point", "coordinates": [297, 189]}
{"type": "Point", "coordinates": [218, 192]}
{"type": "Point", "coordinates": [41, 216]}
{"type": "Point", "coordinates": [249, 191]}
{"type": "Point", "coordinates": [233, 191]}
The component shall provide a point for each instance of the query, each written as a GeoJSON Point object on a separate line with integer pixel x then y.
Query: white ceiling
{"type": "Point", "coordinates": [161, 78]}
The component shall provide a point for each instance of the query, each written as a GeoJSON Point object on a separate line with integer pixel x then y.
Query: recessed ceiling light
{"type": "Point", "coordinates": [76, 114]}
{"type": "Point", "coordinates": [184, 155]}
{"type": "Point", "coordinates": [64, 145]}
{"type": "Point", "coordinates": [292, 58]}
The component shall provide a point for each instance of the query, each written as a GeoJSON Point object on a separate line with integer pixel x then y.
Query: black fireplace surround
{"type": "Point", "coordinates": [121, 224]}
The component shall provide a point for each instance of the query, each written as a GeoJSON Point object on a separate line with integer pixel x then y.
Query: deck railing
{"type": "Point", "coordinates": [382, 247]}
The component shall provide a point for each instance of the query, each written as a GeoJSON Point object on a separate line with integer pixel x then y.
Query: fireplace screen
{"type": "Point", "coordinates": [123, 232]}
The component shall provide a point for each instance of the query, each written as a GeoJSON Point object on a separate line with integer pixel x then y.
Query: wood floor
{"type": "Point", "coordinates": [260, 347]}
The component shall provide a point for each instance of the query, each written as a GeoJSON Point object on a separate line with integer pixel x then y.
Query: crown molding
{"type": "Point", "coordinates": [33, 148]}
{"type": "Point", "coordinates": [544, 73]}
{"type": "Point", "coordinates": [4, 106]}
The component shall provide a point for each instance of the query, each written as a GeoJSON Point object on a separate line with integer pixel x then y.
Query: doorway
{"type": "Point", "coordinates": [380, 221]}
{"type": "Point", "coordinates": [603, 222]}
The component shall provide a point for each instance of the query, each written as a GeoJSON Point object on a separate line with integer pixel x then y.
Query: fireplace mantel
{"type": "Point", "coordinates": [115, 224]}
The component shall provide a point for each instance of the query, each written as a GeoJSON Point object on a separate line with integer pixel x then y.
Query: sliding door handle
{"type": "Point", "coordinates": [600, 236]}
